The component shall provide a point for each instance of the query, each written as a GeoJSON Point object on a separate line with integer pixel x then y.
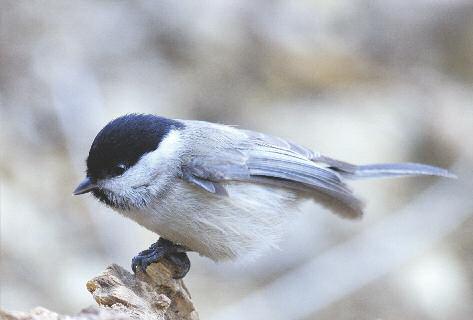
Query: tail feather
{"type": "Point", "coordinates": [385, 170]}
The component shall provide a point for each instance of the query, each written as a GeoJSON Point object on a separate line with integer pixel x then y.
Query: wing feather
{"type": "Point", "coordinates": [271, 160]}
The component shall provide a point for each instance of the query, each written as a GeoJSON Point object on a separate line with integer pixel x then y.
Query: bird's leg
{"type": "Point", "coordinates": [164, 249]}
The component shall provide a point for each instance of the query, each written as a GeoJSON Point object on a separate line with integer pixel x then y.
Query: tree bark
{"type": "Point", "coordinates": [153, 295]}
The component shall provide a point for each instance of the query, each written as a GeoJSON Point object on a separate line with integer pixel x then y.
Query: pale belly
{"type": "Point", "coordinates": [249, 220]}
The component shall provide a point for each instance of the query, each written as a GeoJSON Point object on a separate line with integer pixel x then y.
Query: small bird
{"type": "Point", "coordinates": [214, 189]}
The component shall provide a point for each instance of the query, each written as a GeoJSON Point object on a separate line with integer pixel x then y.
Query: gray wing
{"type": "Point", "coordinates": [276, 142]}
{"type": "Point", "coordinates": [274, 161]}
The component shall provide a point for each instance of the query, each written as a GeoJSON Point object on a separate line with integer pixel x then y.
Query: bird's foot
{"type": "Point", "coordinates": [163, 249]}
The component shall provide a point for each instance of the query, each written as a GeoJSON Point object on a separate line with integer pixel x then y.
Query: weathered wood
{"type": "Point", "coordinates": [153, 295]}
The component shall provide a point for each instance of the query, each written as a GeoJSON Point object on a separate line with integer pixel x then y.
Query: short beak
{"type": "Point", "coordinates": [85, 186]}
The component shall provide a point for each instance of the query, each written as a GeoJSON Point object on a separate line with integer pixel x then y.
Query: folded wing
{"type": "Point", "coordinates": [274, 161]}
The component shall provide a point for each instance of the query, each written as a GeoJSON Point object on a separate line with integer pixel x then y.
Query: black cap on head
{"type": "Point", "coordinates": [123, 141]}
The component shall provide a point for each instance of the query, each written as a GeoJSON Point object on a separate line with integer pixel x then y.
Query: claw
{"type": "Point", "coordinates": [147, 257]}
{"type": "Point", "coordinates": [173, 253]}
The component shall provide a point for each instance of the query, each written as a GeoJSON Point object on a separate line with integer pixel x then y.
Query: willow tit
{"type": "Point", "coordinates": [215, 189]}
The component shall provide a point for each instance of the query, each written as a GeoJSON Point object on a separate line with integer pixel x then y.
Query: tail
{"type": "Point", "coordinates": [388, 170]}
{"type": "Point", "coordinates": [385, 170]}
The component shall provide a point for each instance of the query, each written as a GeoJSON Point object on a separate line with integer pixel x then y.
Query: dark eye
{"type": "Point", "coordinates": [118, 170]}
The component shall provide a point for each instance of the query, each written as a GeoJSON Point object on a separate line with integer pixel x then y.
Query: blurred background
{"type": "Point", "coordinates": [363, 81]}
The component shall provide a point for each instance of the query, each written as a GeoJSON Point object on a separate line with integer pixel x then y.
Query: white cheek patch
{"type": "Point", "coordinates": [168, 149]}
{"type": "Point", "coordinates": [149, 167]}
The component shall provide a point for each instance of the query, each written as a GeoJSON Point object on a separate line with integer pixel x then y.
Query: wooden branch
{"type": "Point", "coordinates": [153, 295]}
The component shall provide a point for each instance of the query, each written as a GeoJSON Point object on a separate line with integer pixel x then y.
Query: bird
{"type": "Point", "coordinates": [218, 190]}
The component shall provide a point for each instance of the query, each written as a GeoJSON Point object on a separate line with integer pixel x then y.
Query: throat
{"type": "Point", "coordinates": [111, 200]}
